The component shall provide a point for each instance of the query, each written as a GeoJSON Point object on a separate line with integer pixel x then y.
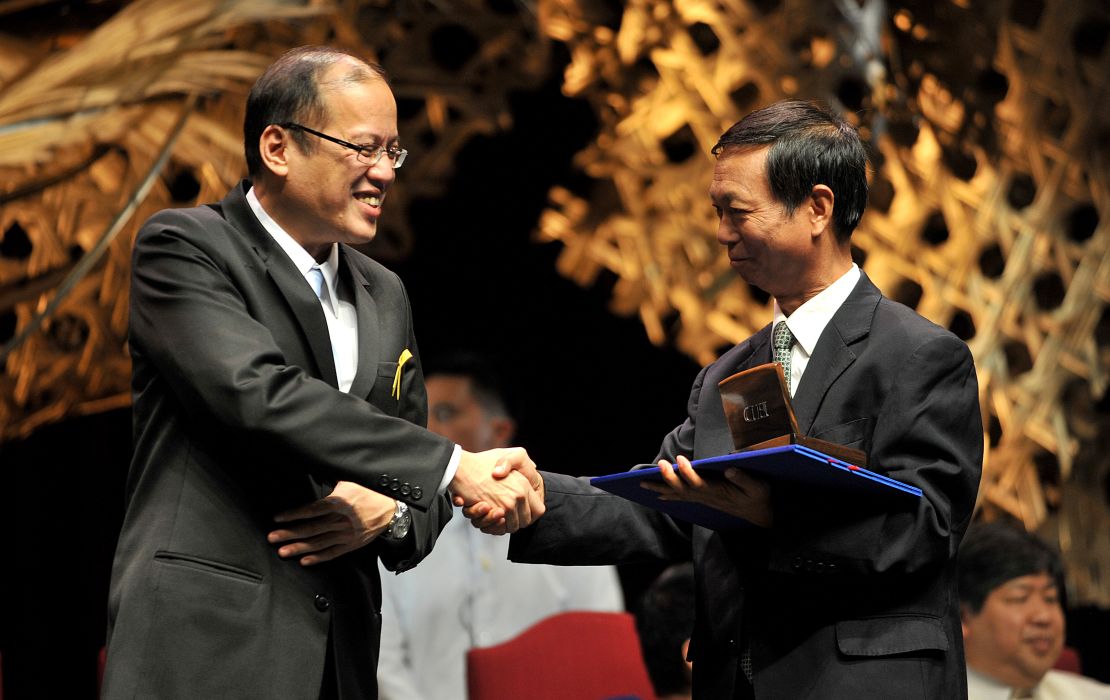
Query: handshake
{"type": "Point", "coordinates": [499, 490]}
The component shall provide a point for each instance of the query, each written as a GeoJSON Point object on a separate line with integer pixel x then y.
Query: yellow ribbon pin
{"type": "Point", "coordinates": [405, 357]}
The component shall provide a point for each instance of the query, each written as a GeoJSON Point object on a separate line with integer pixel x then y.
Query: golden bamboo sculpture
{"type": "Point", "coordinates": [989, 209]}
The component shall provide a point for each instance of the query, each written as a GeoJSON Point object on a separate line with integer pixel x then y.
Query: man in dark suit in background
{"type": "Point", "coordinates": [273, 365]}
{"type": "Point", "coordinates": [824, 597]}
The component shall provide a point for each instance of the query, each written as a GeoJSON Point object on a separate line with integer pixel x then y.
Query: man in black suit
{"type": "Point", "coordinates": [823, 596]}
{"type": "Point", "coordinates": [274, 366]}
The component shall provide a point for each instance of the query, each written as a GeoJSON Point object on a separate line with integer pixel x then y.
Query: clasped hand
{"type": "Point", "coordinates": [501, 487]}
{"type": "Point", "coordinates": [739, 494]}
{"type": "Point", "coordinates": [350, 517]}
{"type": "Point", "coordinates": [500, 490]}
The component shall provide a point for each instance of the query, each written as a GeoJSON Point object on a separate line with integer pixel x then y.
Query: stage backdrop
{"type": "Point", "coordinates": [989, 209]}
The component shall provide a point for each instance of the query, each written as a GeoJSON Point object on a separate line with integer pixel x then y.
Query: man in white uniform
{"type": "Point", "coordinates": [1013, 623]}
{"type": "Point", "coordinates": [466, 593]}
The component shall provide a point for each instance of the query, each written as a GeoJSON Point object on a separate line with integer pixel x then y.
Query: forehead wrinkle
{"type": "Point", "coordinates": [725, 188]}
{"type": "Point", "coordinates": [731, 180]}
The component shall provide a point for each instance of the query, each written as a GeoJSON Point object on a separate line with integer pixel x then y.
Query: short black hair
{"type": "Point", "coordinates": [289, 91]}
{"type": "Point", "coordinates": [485, 384]}
{"type": "Point", "coordinates": [994, 553]}
{"type": "Point", "coordinates": [664, 620]}
{"type": "Point", "coordinates": [810, 145]}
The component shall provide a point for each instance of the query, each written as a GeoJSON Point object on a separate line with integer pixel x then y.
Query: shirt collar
{"type": "Point", "coordinates": [294, 250]}
{"type": "Point", "coordinates": [980, 685]}
{"type": "Point", "coordinates": [809, 320]}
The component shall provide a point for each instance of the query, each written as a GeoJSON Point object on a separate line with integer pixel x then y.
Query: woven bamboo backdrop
{"type": "Point", "coordinates": [989, 210]}
{"type": "Point", "coordinates": [988, 213]}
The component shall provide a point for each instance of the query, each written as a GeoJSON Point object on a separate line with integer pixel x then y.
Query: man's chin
{"type": "Point", "coordinates": [362, 237]}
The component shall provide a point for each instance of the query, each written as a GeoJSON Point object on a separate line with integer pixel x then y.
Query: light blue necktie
{"type": "Point", "coordinates": [316, 279]}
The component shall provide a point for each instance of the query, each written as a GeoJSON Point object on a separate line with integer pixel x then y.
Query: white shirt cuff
{"type": "Point", "coordinates": [452, 467]}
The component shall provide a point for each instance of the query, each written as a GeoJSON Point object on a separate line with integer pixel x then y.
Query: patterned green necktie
{"type": "Point", "coordinates": [782, 340]}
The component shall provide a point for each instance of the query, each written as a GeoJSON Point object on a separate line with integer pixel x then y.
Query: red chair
{"type": "Point", "coordinates": [101, 659]}
{"type": "Point", "coordinates": [1068, 661]}
{"type": "Point", "coordinates": [569, 656]}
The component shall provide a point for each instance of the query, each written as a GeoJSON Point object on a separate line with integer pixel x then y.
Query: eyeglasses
{"type": "Point", "coordinates": [368, 155]}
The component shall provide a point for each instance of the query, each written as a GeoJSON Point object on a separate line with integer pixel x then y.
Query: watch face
{"type": "Point", "coordinates": [401, 529]}
{"type": "Point", "coordinates": [402, 520]}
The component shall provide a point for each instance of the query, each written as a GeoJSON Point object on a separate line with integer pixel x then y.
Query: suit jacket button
{"type": "Point", "coordinates": [405, 489]}
{"type": "Point", "coordinates": [797, 563]}
{"type": "Point", "coordinates": [820, 567]}
{"type": "Point", "coordinates": [417, 493]}
{"type": "Point", "coordinates": [384, 480]}
{"type": "Point", "coordinates": [322, 603]}
{"type": "Point", "coordinates": [394, 484]}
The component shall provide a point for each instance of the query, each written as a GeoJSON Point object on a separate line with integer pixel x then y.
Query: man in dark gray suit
{"type": "Point", "coordinates": [823, 596]}
{"type": "Point", "coordinates": [274, 366]}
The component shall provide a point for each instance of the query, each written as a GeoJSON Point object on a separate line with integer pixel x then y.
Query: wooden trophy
{"type": "Point", "coordinates": [757, 406]}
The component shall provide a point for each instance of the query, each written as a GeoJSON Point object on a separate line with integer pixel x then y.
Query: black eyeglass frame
{"type": "Point", "coordinates": [370, 155]}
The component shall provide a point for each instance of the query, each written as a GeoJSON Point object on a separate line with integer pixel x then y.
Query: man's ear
{"type": "Point", "coordinates": [821, 202]}
{"type": "Point", "coordinates": [501, 430]}
{"type": "Point", "coordinates": [965, 620]}
{"type": "Point", "coordinates": [274, 145]}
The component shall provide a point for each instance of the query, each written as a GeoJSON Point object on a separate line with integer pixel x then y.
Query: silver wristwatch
{"type": "Point", "coordinates": [402, 520]}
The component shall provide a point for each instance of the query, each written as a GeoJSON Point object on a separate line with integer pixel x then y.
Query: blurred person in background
{"type": "Point", "coordinates": [466, 593]}
{"type": "Point", "coordinates": [665, 621]}
{"type": "Point", "coordinates": [1013, 623]}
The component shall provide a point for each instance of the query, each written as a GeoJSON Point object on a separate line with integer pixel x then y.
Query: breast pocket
{"type": "Point", "coordinates": [382, 394]}
{"type": "Point", "coordinates": [854, 433]}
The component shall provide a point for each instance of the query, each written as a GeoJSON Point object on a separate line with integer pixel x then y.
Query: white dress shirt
{"type": "Point", "coordinates": [466, 593]}
{"type": "Point", "coordinates": [339, 311]}
{"type": "Point", "coordinates": [1056, 685]}
{"type": "Point", "coordinates": [338, 307]}
{"type": "Point", "coordinates": [809, 320]}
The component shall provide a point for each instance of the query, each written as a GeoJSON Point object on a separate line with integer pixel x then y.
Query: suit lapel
{"type": "Point", "coordinates": [833, 354]}
{"type": "Point", "coordinates": [713, 437]}
{"type": "Point", "coordinates": [368, 336]}
{"type": "Point", "coordinates": [292, 285]}
{"type": "Point", "coordinates": [760, 350]}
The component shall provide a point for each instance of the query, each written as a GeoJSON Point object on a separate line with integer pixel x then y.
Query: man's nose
{"type": "Point", "coordinates": [726, 234]}
{"type": "Point", "coordinates": [382, 172]}
{"type": "Point", "coordinates": [1043, 611]}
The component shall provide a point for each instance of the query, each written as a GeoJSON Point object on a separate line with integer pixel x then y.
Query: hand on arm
{"type": "Point", "coordinates": [348, 518]}
{"type": "Point", "coordinates": [739, 494]}
{"type": "Point", "coordinates": [500, 489]}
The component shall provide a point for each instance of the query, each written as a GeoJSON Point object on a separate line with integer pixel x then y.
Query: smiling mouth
{"type": "Point", "coordinates": [373, 200]}
{"type": "Point", "coordinates": [1040, 644]}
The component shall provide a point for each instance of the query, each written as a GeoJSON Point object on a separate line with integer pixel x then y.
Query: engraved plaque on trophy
{"type": "Point", "coordinates": [759, 413]}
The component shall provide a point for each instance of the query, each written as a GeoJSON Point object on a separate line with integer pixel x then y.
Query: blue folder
{"type": "Point", "coordinates": [785, 466]}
